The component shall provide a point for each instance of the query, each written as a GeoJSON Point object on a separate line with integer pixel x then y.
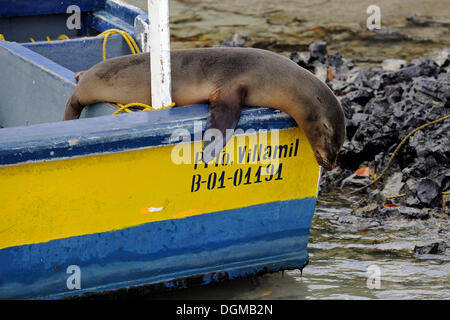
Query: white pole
{"type": "Point", "coordinates": [158, 16]}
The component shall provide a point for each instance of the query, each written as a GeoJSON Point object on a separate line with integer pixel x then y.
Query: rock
{"type": "Point", "coordinates": [321, 71]}
{"type": "Point", "coordinates": [346, 105]}
{"type": "Point", "coordinates": [365, 77]}
{"type": "Point", "coordinates": [442, 57]}
{"type": "Point", "coordinates": [388, 212]}
{"type": "Point", "coordinates": [417, 19]}
{"type": "Point", "coordinates": [359, 118]}
{"type": "Point", "coordinates": [429, 193]}
{"type": "Point", "coordinates": [403, 211]}
{"type": "Point", "coordinates": [444, 181]}
{"type": "Point", "coordinates": [339, 86]}
{"type": "Point", "coordinates": [393, 185]}
{"type": "Point", "coordinates": [360, 96]}
{"type": "Point", "coordinates": [332, 179]}
{"type": "Point", "coordinates": [412, 213]}
{"type": "Point", "coordinates": [238, 40]}
{"type": "Point", "coordinates": [335, 60]}
{"type": "Point", "coordinates": [426, 89]}
{"type": "Point", "coordinates": [318, 51]}
{"type": "Point", "coordinates": [412, 201]}
{"type": "Point", "coordinates": [369, 210]}
{"type": "Point", "coordinates": [355, 181]}
{"type": "Point", "coordinates": [388, 33]}
{"type": "Point", "coordinates": [394, 94]}
{"type": "Point", "coordinates": [433, 248]}
{"type": "Point", "coordinates": [393, 64]}
{"type": "Point", "coordinates": [382, 105]}
{"type": "Point", "coordinates": [302, 59]}
{"type": "Point", "coordinates": [417, 68]}
{"type": "Point", "coordinates": [444, 76]}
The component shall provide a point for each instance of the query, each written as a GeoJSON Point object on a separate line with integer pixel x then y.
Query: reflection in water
{"type": "Point", "coordinates": [340, 254]}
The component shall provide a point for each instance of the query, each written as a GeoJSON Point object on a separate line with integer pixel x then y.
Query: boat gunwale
{"type": "Point", "coordinates": [123, 132]}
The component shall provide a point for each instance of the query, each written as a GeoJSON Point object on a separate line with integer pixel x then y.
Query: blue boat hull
{"type": "Point", "coordinates": [213, 247]}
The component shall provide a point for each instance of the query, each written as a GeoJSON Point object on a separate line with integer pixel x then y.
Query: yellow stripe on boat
{"type": "Point", "coordinates": [78, 196]}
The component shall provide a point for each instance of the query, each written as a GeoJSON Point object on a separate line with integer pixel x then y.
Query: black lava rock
{"type": "Point", "coordinates": [402, 211]}
{"type": "Point", "coordinates": [318, 51]}
{"type": "Point", "coordinates": [417, 68]}
{"type": "Point", "coordinates": [238, 40]}
{"type": "Point", "coordinates": [354, 181]}
{"type": "Point", "coordinates": [429, 193]}
{"type": "Point", "coordinates": [433, 248]}
{"type": "Point", "coordinates": [412, 213]}
{"type": "Point", "coordinates": [382, 105]}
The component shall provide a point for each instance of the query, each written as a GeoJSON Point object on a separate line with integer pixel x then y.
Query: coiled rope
{"type": "Point", "coordinates": [134, 50]}
{"type": "Point", "coordinates": [126, 36]}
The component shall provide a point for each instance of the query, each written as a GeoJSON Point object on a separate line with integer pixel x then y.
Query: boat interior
{"type": "Point", "coordinates": [38, 75]}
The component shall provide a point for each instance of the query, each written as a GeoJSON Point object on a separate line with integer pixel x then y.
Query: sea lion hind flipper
{"type": "Point", "coordinates": [78, 75]}
{"type": "Point", "coordinates": [73, 109]}
{"type": "Point", "coordinates": [224, 113]}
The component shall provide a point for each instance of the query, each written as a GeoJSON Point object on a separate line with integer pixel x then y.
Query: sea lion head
{"type": "Point", "coordinates": [324, 126]}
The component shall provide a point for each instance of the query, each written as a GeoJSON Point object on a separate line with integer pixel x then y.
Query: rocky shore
{"type": "Point", "coordinates": [382, 105]}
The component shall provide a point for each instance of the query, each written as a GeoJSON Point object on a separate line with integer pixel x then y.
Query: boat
{"type": "Point", "coordinates": [109, 202]}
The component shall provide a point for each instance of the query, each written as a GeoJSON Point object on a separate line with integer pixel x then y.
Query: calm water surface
{"type": "Point", "coordinates": [342, 247]}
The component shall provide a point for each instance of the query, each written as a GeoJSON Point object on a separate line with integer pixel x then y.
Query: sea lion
{"type": "Point", "coordinates": [227, 79]}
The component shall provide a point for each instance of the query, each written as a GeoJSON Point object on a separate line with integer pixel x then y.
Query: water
{"type": "Point", "coordinates": [342, 252]}
{"type": "Point", "coordinates": [340, 255]}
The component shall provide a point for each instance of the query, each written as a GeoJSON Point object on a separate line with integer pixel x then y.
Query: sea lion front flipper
{"type": "Point", "coordinates": [224, 113]}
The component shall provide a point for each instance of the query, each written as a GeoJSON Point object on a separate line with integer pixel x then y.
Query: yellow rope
{"type": "Point", "coordinates": [129, 40]}
{"type": "Point", "coordinates": [60, 37]}
{"type": "Point", "coordinates": [398, 148]}
{"type": "Point", "coordinates": [63, 37]}
{"type": "Point", "coordinates": [396, 196]}
{"type": "Point", "coordinates": [144, 107]}
{"type": "Point", "coordinates": [134, 49]}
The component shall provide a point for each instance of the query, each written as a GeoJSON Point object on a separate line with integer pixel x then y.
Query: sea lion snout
{"type": "Point", "coordinates": [328, 131]}
{"type": "Point", "coordinates": [327, 145]}
{"type": "Point", "coordinates": [327, 161]}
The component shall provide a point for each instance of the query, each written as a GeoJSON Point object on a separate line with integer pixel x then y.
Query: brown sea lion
{"type": "Point", "coordinates": [227, 79]}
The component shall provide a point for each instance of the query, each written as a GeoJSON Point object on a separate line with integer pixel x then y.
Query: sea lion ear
{"type": "Point", "coordinates": [224, 113]}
